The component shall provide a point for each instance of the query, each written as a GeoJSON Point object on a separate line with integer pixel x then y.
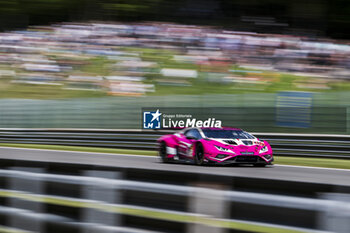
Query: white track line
{"type": "Point", "coordinates": [151, 156]}
{"type": "Point", "coordinates": [323, 168]}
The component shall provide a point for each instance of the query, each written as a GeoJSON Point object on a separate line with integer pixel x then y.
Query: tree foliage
{"type": "Point", "coordinates": [330, 17]}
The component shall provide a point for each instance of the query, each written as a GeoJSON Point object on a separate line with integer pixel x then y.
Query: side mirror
{"type": "Point", "coordinates": [191, 137]}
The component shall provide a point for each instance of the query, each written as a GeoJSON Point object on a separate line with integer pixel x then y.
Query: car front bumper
{"type": "Point", "coordinates": [242, 159]}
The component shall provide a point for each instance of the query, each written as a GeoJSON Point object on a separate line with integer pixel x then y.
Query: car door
{"type": "Point", "coordinates": [186, 144]}
{"type": "Point", "coordinates": [183, 143]}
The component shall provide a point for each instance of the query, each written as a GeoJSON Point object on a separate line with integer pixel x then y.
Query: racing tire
{"type": "Point", "coordinates": [199, 155]}
{"type": "Point", "coordinates": [162, 152]}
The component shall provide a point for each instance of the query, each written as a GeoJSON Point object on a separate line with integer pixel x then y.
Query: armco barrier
{"type": "Point", "coordinates": [304, 145]}
{"type": "Point", "coordinates": [35, 198]}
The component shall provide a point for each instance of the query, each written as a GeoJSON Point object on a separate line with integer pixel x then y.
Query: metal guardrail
{"type": "Point", "coordinates": [303, 145]}
{"type": "Point", "coordinates": [27, 197]}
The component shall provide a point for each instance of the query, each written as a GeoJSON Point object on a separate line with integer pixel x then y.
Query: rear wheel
{"type": "Point", "coordinates": [162, 153]}
{"type": "Point", "coordinates": [199, 155]}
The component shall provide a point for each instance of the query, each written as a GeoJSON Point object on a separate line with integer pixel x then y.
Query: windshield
{"type": "Point", "coordinates": [234, 134]}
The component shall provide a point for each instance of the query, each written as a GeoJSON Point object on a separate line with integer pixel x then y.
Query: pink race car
{"type": "Point", "coordinates": [215, 145]}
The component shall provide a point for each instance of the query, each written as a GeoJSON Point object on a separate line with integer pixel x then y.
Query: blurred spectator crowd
{"type": "Point", "coordinates": [132, 59]}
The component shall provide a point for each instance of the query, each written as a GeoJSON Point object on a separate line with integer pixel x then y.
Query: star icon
{"type": "Point", "coordinates": [156, 115]}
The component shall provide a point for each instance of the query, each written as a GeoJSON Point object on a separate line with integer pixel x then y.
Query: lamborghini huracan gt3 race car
{"type": "Point", "coordinates": [215, 145]}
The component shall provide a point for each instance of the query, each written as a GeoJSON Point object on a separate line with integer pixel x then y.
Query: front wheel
{"type": "Point", "coordinates": [199, 155]}
{"type": "Point", "coordinates": [162, 153]}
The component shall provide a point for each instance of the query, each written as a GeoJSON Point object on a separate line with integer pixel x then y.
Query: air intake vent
{"type": "Point", "coordinates": [231, 142]}
{"type": "Point", "coordinates": [247, 143]}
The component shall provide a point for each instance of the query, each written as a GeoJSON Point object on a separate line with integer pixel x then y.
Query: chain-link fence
{"type": "Point", "coordinates": [327, 113]}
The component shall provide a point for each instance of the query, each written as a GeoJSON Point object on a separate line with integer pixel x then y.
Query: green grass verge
{"type": "Point", "coordinates": [4, 229]}
{"type": "Point", "coordinates": [313, 162]}
{"type": "Point", "coordinates": [297, 161]}
{"type": "Point", "coordinates": [82, 149]}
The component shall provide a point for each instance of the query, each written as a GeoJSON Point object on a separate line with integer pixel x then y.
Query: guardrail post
{"type": "Point", "coordinates": [208, 203]}
{"type": "Point", "coordinates": [32, 186]}
{"type": "Point", "coordinates": [336, 218]}
{"type": "Point", "coordinates": [101, 192]}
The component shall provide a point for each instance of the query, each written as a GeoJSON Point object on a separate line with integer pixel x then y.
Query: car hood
{"type": "Point", "coordinates": [236, 142]}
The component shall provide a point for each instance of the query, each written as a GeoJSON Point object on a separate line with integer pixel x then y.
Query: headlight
{"type": "Point", "coordinates": [222, 149]}
{"type": "Point", "coordinates": [263, 150]}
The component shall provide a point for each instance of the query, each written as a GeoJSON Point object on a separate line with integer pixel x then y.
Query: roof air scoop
{"type": "Point", "coordinates": [247, 143]}
{"type": "Point", "coordinates": [231, 142]}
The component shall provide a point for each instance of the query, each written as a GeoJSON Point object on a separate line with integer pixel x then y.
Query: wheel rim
{"type": "Point", "coordinates": [163, 151]}
{"type": "Point", "coordinates": [199, 154]}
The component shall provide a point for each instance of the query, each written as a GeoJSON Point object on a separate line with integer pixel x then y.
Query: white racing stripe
{"type": "Point", "coordinates": [170, 150]}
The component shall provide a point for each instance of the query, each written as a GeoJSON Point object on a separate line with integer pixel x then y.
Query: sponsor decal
{"type": "Point", "coordinates": [247, 153]}
{"type": "Point", "coordinates": [190, 151]}
{"type": "Point", "coordinates": [192, 122]}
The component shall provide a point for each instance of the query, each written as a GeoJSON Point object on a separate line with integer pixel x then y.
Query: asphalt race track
{"type": "Point", "coordinates": [280, 172]}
